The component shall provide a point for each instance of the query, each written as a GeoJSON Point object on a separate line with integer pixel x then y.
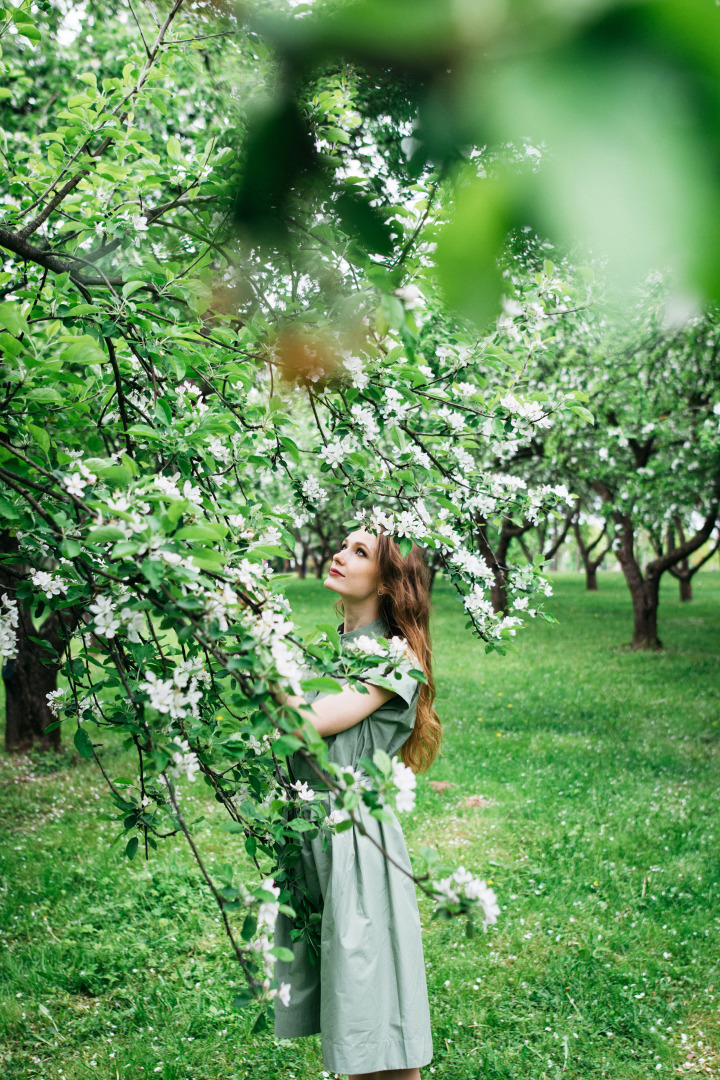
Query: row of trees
{"type": "Point", "coordinates": [584, 546]}
{"type": "Point", "coordinates": [246, 286]}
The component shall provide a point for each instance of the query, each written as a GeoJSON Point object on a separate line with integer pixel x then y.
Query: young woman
{"type": "Point", "coordinates": [367, 995]}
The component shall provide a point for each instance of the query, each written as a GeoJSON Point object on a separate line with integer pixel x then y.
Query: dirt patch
{"type": "Point", "coordinates": [477, 801]}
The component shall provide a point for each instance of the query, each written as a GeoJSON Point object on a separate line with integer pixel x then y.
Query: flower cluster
{"type": "Point", "coordinates": [462, 884]}
{"type": "Point", "coordinates": [405, 781]}
{"type": "Point", "coordinates": [9, 620]}
{"type": "Point", "coordinates": [51, 586]}
{"type": "Point", "coordinates": [184, 761]}
{"type": "Point", "coordinates": [178, 695]}
{"type": "Point", "coordinates": [76, 481]}
{"type": "Point", "coordinates": [108, 620]}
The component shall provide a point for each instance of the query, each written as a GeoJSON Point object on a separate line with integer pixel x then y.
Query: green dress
{"type": "Point", "coordinates": [367, 996]}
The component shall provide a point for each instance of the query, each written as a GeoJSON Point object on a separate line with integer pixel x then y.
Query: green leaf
{"type": "Point", "coordinates": [332, 634]}
{"type": "Point", "coordinates": [41, 437]}
{"type": "Point", "coordinates": [286, 744]}
{"type": "Point", "coordinates": [8, 511]}
{"type": "Point", "coordinates": [132, 286]}
{"type": "Point", "coordinates": [382, 761]}
{"type": "Point", "coordinates": [131, 848]}
{"type": "Point", "coordinates": [208, 558]}
{"type": "Point", "coordinates": [84, 350]}
{"type": "Point", "coordinates": [260, 1023]}
{"type": "Point", "coordinates": [242, 999]}
{"type": "Point", "coordinates": [323, 683]}
{"type": "Point", "coordinates": [104, 534]}
{"type": "Point", "coordinates": [281, 953]}
{"type": "Point", "coordinates": [469, 246]}
{"type": "Point", "coordinates": [174, 150]}
{"type": "Point", "coordinates": [153, 571]}
{"type": "Point", "coordinates": [12, 319]}
{"type": "Point", "coordinates": [83, 742]}
{"type": "Point", "coordinates": [71, 549]}
{"type": "Point", "coordinates": [209, 530]}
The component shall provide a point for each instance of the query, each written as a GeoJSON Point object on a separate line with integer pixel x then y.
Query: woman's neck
{"type": "Point", "coordinates": [360, 614]}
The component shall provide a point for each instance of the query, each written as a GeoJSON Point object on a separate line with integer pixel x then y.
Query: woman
{"type": "Point", "coordinates": [367, 994]}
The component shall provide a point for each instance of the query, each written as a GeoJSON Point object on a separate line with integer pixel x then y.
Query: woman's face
{"type": "Point", "coordinates": [354, 570]}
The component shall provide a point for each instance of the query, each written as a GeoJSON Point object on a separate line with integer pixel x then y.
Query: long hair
{"type": "Point", "coordinates": [404, 605]}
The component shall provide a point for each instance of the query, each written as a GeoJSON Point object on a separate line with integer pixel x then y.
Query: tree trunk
{"type": "Point", "coordinates": [685, 588]}
{"type": "Point", "coordinates": [585, 553]}
{"type": "Point", "coordinates": [644, 591]}
{"type": "Point", "coordinates": [591, 584]}
{"type": "Point", "coordinates": [27, 682]}
{"type": "Point", "coordinates": [31, 675]}
{"type": "Point", "coordinates": [645, 599]}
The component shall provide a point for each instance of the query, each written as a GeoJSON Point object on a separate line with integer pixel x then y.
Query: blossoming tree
{"type": "Point", "coordinates": [194, 302]}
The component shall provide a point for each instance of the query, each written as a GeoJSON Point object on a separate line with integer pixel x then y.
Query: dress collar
{"type": "Point", "coordinates": [377, 628]}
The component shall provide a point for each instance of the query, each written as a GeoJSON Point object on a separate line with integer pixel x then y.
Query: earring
{"type": "Point", "coordinates": [380, 592]}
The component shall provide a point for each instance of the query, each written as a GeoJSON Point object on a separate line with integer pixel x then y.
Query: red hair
{"type": "Point", "coordinates": [404, 605]}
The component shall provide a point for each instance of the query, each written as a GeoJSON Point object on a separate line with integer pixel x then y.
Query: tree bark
{"type": "Point", "coordinates": [497, 560]}
{"type": "Point", "coordinates": [585, 552]}
{"type": "Point", "coordinates": [645, 589]}
{"type": "Point", "coordinates": [685, 571]}
{"type": "Point", "coordinates": [27, 681]}
{"type": "Point", "coordinates": [31, 675]}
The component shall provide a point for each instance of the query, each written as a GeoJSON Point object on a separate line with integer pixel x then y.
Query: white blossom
{"type": "Point", "coordinates": [74, 484]}
{"type": "Point", "coordinates": [9, 619]}
{"type": "Point", "coordinates": [106, 621]}
{"type": "Point", "coordinates": [268, 910]}
{"type": "Point", "coordinates": [56, 698]}
{"type": "Point", "coordinates": [335, 451]}
{"type": "Point", "coordinates": [481, 891]}
{"type": "Point", "coordinates": [312, 491]}
{"type": "Point", "coordinates": [134, 623]}
{"type": "Point", "coordinates": [303, 791]}
{"type": "Point", "coordinates": [355, 368]}
{"type": "Point", "coordinates": [184, 760]}
{"type": "Point", "coordinates": [411, 296]}
{"type": "Point", "coordinates": [395, 405]}
{"type": "Point", "coordinates": [220, 451]}
{"type": "Point", "coordinates": [51, 586]}
{"type": "Point", "coordinates": [168, 485]}
{"type": "Point", "coordinates": [367, 645]}
{"type": "Point", "coordinates": [405, 781]}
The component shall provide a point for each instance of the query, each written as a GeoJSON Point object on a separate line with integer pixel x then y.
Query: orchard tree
{"type": "Point", "coordinates": [212, 232]}
{"type": "Point", "coordinates": [652, 458]}
{"type": "Point", "coordinates": [160, 376]}
{"type": "Point", "coordinates": [591, 550]}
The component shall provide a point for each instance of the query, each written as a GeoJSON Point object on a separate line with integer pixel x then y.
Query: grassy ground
{"type": "Point", "coordinates": [594, 777]}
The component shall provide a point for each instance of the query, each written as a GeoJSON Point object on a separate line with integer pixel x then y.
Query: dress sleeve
{"type": "Point", "coordinates": [402, 705]}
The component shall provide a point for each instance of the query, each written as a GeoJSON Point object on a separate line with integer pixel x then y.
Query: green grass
{"type": "Point", "coordinates": [597, 772]}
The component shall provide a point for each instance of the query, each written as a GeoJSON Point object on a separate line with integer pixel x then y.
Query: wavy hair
{"type": "Point", "coordinates": [404, 605]}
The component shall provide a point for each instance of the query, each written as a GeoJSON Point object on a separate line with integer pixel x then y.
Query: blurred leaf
{"type": "Point", "coordinates": [469, 247]}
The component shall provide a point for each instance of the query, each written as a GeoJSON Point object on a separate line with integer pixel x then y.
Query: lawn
{"type": "Point", "coordinates": [583, 782]}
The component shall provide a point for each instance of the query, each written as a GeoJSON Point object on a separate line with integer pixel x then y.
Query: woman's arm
{"type": "Point", "coordinates": [337, 712]}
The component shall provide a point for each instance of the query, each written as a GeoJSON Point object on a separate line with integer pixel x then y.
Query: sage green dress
{"type": "Point", "coordinates": [367, 996]}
